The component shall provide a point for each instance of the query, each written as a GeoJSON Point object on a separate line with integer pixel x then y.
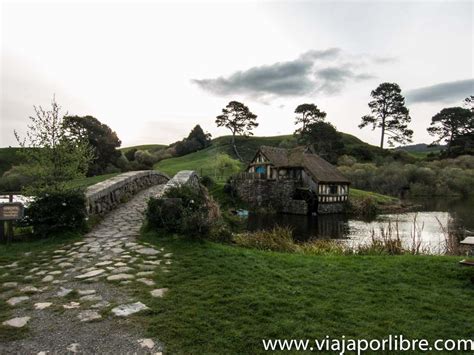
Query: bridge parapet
{"type": "Point", "coordinates": [106, 195]}
{"type": "Point", "coordinates": [183, 178]}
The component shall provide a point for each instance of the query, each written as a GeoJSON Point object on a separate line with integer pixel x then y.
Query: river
{"type": "Point", "coordinates": [428, 225]}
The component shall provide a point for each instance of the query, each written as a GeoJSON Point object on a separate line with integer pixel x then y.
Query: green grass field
{"type": "Point", "coordinates": [225, 299]}
{"type": "Point", "coordinates": [201, 161]}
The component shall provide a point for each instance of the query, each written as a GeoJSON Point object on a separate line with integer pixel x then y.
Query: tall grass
{"type": "Point", "coordinates": [387, 240]}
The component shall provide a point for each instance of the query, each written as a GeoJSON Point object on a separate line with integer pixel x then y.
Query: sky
{"type": "Point", "coordinates": [153, 70]}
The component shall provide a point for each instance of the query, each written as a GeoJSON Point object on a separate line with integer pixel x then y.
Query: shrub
{"type": "Point", "coordinates": [130, 154]}
{"type": "Point", "coordinates": [111, 169]}
{"type": "Point", "coordinates": [123, 164]}
{"type": "Point", "coordinates": [187, 146]}
{"type": "Point", "coordinates": [144, 159]}
{"type": "Point", "coordinates": [207, 181]}
{"type": "Point", "coordinates": [164, 214]}
{"type": "Point", "coordinates": [440, 177]}
{"type": "Point", "coordinates": [15, 179]}
{"type": "Point", "coordinates": [365, 207]}
{"type": "Point", "coordinates": [183, 210]}
{"type": "Point", "coordinates": [57, 212]}
{"type": "Point", "coordinates": [346, 160]}
{"type": "Point", "coordinates": [221, 233]}
{"type": "Point", "coordinates": [225, 165]}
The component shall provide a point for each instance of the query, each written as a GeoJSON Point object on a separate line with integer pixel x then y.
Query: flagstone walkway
{"type": "Point", "coordinates": [72, 300]}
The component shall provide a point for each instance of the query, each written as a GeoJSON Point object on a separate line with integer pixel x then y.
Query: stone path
{"type": "Point", "coordinates": [71, 300]}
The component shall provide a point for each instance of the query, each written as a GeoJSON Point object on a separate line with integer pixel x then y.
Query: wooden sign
{"type": "Point", "coordinates": [11, 211]}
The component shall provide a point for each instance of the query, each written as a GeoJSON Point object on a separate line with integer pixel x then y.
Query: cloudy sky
{"type": "Point", "coordinates": [151, 71]}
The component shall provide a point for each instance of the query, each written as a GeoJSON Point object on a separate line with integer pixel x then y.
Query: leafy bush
{"type": "Point", "coordinates": [196, 140]}
{"type": "Point", "coordinates": [57, 212]}
{"type": "Point", "coordinates": [183, 210]}
{"type": "Point", "coordinates": [225, 165]}
{"type": "Point", "coordinates": [365, 207]}
{"type": "Point", "coordinates": [440, 177]}
{"type": "Point", "coordinates": [207, 181]}
{"type": "Point", "coordinates": [165, 214]}
{"type": "Point", "coordinates": [144, 159]}
{"type": "Point", "coordinates": [130, 154]}
{"type": "Point", "coordinates": [15, 179]}
{"type": "Point", "coordinates": [221, 233]}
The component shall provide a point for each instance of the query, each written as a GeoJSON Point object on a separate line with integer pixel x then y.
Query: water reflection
{"type": "Point", "coordinates": [429, 225]}
{"type": "Point", "coordinates": [16, 198]}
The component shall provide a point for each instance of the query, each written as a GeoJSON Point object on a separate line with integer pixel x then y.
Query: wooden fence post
{"type": "Point", "coordinates": [10, 223]}
{"type": "Point", "coordinates": [2, 232]}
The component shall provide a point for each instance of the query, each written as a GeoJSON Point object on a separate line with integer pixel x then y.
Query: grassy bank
{"type": "Point", "coordinates": [225, 299]}
{"type": "Point", "coordinates": [91, 180]}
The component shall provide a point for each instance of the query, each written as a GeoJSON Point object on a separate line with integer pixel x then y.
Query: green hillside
{"type": "Point", "coordinates": [201, 161]}
{"type": "Point", "coordinates": [149, 147]}
{"type": "Point", "coordinates": [8, 158]}
{"type": "Point", "coordinates": [204, 159]}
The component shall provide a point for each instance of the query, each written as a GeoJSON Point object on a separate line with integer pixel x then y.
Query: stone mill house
{"type": "Point", "coordinates": [293, 181]}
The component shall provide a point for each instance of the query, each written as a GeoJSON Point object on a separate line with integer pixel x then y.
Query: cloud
{"type": "Point", "coordinates": [333, 79]}
{"type": "Point", "coordinates": [444, 92]}
{"type": "Point", "coordinates": [316, 71]}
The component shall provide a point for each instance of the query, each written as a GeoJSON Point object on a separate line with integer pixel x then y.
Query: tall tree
{"type": "Point", "coordinates": [324, 139]}
{"type": "Point", "coordinates": [390, 114]}
{"type": "Point", "coordinates": [307, 114]}
{"type": "Point", "coordinates": [197, 133]}
{"type": "Point", "coordinates": [450, 124]}
{"type": "Point", "coordinates": [56, 157]}
{"type": "Point", "coordinates": [239, 120]}
{"type": "Point", "coordinates": [101, 138]}
{"type": "Point", "coordinates": [469, 103]}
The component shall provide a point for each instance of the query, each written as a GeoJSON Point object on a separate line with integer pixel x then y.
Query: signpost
{"type": "Point", "coordinates": [9, 212]}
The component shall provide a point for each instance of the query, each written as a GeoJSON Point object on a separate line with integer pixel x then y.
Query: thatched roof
{"type": "Point", "coordinates": [300, 157]}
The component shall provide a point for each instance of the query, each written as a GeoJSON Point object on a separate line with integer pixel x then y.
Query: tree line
{"type": "Point", "coordinates": [389, 113]}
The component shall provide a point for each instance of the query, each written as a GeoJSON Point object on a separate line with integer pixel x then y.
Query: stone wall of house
{"type": "Point", "coordinates": [326, 208]}
{"type": "Point", "coordinates": [295, 207]}
{"type": "Point", "coordinates": [106, 195]}
{"type": "Point", "coordinates": [274, 194]}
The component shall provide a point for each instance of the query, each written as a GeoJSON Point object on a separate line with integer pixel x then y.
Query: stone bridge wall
{"type": "Point", "coordinates": [184, 177]}
{"type": "Point", "coordinates": [106, 195]}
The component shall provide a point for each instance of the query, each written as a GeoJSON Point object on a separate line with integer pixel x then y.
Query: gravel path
{"type": "Point", "coordinates": [71, 300]}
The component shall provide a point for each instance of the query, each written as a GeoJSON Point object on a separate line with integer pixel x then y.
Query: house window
{"type": "Point", "coordinates": [260, 169]}
{"type": "Point", "coordinates": [333, 189]}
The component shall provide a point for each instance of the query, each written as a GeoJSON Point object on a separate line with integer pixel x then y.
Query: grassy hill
{"type": "Point", "coordinates": [203, 160]}
{"type": "Point", "coordinates": [421, 150]}
{"type": "Point", "coordinates": [149, 147]}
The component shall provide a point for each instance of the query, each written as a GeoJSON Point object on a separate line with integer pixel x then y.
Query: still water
{"type": "Point", "coordinates": [428, 224]}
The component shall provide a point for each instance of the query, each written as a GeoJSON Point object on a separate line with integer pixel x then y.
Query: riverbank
{"type": "Point", "coordinates": [368, 204]}
{"type": "Point", "coordinates": [223, 299]}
